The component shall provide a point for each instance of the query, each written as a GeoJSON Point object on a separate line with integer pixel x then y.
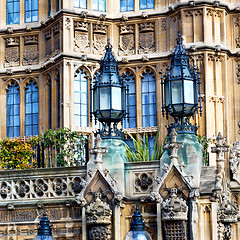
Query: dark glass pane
{"type": "Point", "coordinates": [34, 4]}
{"type": "Point", "coordinates": [28, 17]}
{"type": "Point", "coordinates": [28, 5]}
{"type": "Point", "coordinates": [16, 18]}
{"type": "Point", "coordinates": [10, 8]}
{"type": "Point", "coordinates": [34, 16]}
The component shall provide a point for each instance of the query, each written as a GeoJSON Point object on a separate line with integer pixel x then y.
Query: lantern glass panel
{"type": "Point", "coordinates": [44, 237]}
{"type": "Point", "coordinates": [116, 98]}
{"type": "Point", "coordinates": [177, 96]}
{"type": "Point", "coordinates": [95, 100]}
{"type": "Point", "coordinates": [189, 92]}
{"type": "Point", "coordinates": [104, 98]}
{"type": "Point", "coordinates": [167, 93]}
{"type": "Point", "coordinates": [137, 235]}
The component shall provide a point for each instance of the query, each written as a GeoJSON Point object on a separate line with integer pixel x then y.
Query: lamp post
{"type": "Point", "coordinates": [108, 93]}
{"type": "Point", "coordinates": [181, 90]}
{"type": "Point", "coordinates": [137, 228]}
{"type": "Point", "coordinates": [44, 229]}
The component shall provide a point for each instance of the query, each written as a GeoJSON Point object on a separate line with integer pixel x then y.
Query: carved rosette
{"type": "Point", "coordinates": [146, 37]}
{"type": "Point", "coordinates": [81, 38]}
{"type": "Point", "coordinates": [126, 39]}
{"type": "Point", "coordinates": [12, 56]}
{"type": "Point", "coordinates": [99, 38]}
{"type": "Point", "coordinates": [30, 52]}
{"type": "Point", "coordinates": [99, 219]}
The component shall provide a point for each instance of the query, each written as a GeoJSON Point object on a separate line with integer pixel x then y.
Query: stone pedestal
{"type": "Point", "coordinates": [190, 155]}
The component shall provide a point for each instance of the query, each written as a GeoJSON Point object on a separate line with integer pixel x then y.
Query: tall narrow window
{"type": "Point", "coordinates": [81, 99]}
{"type": "Point", "coordinates": [31, 109]}
{"type": "Point", "coordinates": [146, 4]}
{"type": "Point", "coordinates": [80, 3]}
{"type": "Point", "coordinates": [99, 5]}
{"type": "Point", "coordinates": [49, 83]}
{"type": "Point", "coordinates": [13, 12]}
{"type": "Point", "coordinates": [13, 111]}
{"type": "Point", "coordinates": [131, 102]}
{"type": "Point", "coordinates": [58, 100]}
{"type": "Point", "coordinates": [126, 5]}
{"type": "Point", "coordinates": [49, 7]}
{"type": "Point", "coordinates": [148, 99]}
{"type": "Point", "coordinates": [31, 10]}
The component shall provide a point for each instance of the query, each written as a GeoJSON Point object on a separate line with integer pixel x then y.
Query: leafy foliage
{"type": "Point", "coordinates": [60, 147]}
{"type": "Point", "coordinates": [139, 150]}
{"type": "Point", "coordinates": [205, 143]}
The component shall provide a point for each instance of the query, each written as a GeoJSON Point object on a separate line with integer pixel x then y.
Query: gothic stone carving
{"type": "Point", "coordinates": [174, 208]}
{"type": "Point", "coordinates": [144, 182]}
{"type": "Point", "coordinates": [30, 52]}
{"type": "Point", "coordinates": [81, 38]}
{"type": "Point", "coordinates": [99, 233]}
{"type": "Point", "coordinates": [48, 44]}
{"type": "Point", "coordinates": [56, 39]}
{"type": "Point", "coordinates": [99, 38]}
{"type": "Point", "coordinates": [235, 160]}
{"type": "Point", "coordinates": [12, 57]}
{"type": "Point", "coordinates": [146, 37]}
{"type": "Point", "coordinates": [126, 39]}
{"type": "Point", "coordinates": [238, 73]}
{"type": "Point", "coordinates": [224, 231]}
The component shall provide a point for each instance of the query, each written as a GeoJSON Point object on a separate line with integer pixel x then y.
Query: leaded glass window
{"type": "Point", "coordinates": [148, 99]}
{"type": "Point", "coordinates": [13, 111]}
{"type": "Point", "coordinates": [31, 10]}
{"type": "Point", "coordinates": [13, 11]}
{"type": "Point", "coordinates": [80, 3]}
{"type": "Point", "coordinates": [146, 4]}
{"type": "Point", "coordinates": [131, 102]}
{"type": "Point", "coordinates": [126, 5]}
{"type": "Point", "coordinates": [58, 100]}
{"type": "Point", "coordinates": [99, 5]}
{"type": "Point", "coordinates": [81, 99]}
{"type": "Point", "coordinates": [31, 109]}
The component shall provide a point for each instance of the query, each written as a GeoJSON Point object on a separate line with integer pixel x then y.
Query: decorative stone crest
{"type": "Point", "coordinates": [98, 212]}
{"type": "Point", "coordinates": [81, 38]}
{"type": "Point", "coordinates": [99, 38]}
{"type": "Point", "coordinates": [12, 55]}
{"type": "Point", "coordinates": [174, 208]}
{"type": "Point", "coordinates": [30, 52]}
{"type": "Point", "coordinates": [146, 37]}
{"type": "Point", "coordinates": [126, 39]}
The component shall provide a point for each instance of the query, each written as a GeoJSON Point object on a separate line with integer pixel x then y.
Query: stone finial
{"type": "Point", "coordinates": [220, 148]}
{"type": "Point", "coordinates": [173, 146]}
{"type": "Point", "coordinates": [98, 151]}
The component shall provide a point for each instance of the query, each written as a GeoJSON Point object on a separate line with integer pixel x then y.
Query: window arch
{"type": "Point", "coordinates": [13, 110]}
{"type": "Point", "coordinates": [131, 102]}
{"type": "Point", "coordinates": [31, 109]}
{"type": "Point", "coordinates": [148, 99]}
{"type": "Point", "coordinates": [81, 99]}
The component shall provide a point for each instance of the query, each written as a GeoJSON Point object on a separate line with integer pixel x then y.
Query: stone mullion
{"type": "Point", "coordinates": [159, 222]}
{"type": "Point", "coordinates": [22, 12]}
{"type": "Point", "coordinates": [138, 100]}
{"type": "Point", "coordinates": [22, 110]}
{"type": "Point", "coordinates": [136, 38]}
{"type": "Point", "coordinates": [3, 110]}
{"type": "Point", "coordinates": [54, 100]}
{"type": "Point", "coordinates": [42, 108]}
{"type": "Point", "coordinates": [159, 95]}
{"type": "Point", "coordinates": [117, 222]}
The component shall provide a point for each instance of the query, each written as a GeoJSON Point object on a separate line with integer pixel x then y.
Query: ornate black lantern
{"type": "Point", "coordinates": [181, 90]}
{"type": "Point", "coordinates": [44, 229]}
{"type": "Point", "coordinates": [109, 96]}
{"type": "Point", "coordinates": [137, 228]}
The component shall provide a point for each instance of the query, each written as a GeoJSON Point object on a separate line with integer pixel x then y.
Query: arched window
{"type": "Point", "coordinates": [148, 99]}
{"type": "Point", "coordinates": [131, 103]}
{"type": "Point", "coordinates": [13, 110]}
{"type": "Point", "coordinates": [81, 99]}
{"type": "Point", "coordinates": [31, 109]}
{"type": "Point", "coordinates": [13, 11]}
{"type": "Point", "coordinates": [80, 3]}
{"type": "Point", "coordinates": [31, 11]}
{"type": "Point", "coordinates": [146, 4]}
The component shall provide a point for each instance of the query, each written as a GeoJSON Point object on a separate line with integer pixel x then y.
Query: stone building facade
{"type": "Point", "coordinates": [51, 50]}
